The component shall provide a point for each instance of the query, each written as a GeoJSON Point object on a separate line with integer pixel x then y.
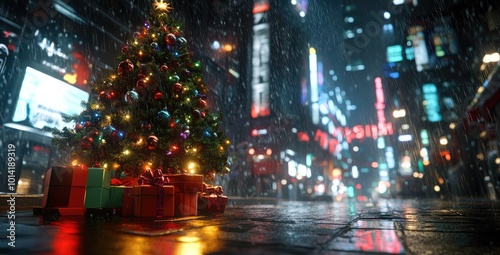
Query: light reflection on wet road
{"type": "Point", "coordinates": [390, 227]}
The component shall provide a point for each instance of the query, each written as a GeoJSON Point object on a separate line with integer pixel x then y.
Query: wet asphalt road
{"type": "Point", "coordinates": [347, 227]}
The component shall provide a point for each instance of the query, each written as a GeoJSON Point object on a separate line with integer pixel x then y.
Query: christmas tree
{"type": "Point", "coordinates": [151, 111]}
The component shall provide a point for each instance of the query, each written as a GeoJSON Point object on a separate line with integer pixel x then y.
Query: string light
{"type": "Point", "coordinates": [140, 141]}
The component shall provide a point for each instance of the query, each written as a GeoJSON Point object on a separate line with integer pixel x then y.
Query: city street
{"type": "Point", "coordinates": [272, 227]}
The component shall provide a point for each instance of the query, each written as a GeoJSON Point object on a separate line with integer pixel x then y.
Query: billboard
{"type": "Point", "coordinates": [43, 100]}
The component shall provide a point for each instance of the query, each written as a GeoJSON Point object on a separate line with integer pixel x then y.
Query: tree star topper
{"type": "Point", "coordinates": [160, 5]}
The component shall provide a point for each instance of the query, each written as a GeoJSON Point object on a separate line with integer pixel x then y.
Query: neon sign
{"type": "Point", "coordinates": [260, 61]}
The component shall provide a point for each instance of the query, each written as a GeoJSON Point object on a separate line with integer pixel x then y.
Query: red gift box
{"type": "Point", "coordinates": [187, 187]}
{"type": "Point", "coordinates": [128, 201]}
{"type": "Point", "coordinates": [211, 203]}
{"type": "Point", "coordinates": [64, 186]}
{"type": "Point", "coordinates": [146, 200]}
{"type": "Point", "coordinates": [78, 186]}
{"type": "Point", "coordinates": [58, 211]}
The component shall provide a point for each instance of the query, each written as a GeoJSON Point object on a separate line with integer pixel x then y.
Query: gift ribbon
{"type": "Point", "coordinates": [155, 179]}
{"type": "Point", "coordinates": [209, 189]}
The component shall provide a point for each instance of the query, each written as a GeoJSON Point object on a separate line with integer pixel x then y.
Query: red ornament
{"type": "Point", "coordinates": [202, 103]}
{"type": "Point", "coordinates": [164, 68]}
{"type": "Point", "coordinates": [152, 142]}
{"type": "Point", "coordinates": [125, 67]}
{"type": "Point", "coordinates": [177, 87]}
{"type": "Point", "coordinates": [111, 95]}
{"type": "Point", "coordinates": [170, 39]}
{"type": "Point", "coordinates": [87, 124]}
{"type": "Point", "coordinates": [140, 84]}
{"type": "Point", "coordinates": [158, 96]}
{"type": "Point", "coordinates": [103, 95]}
{"type": "Point", "coordinates": [87, 142]}
{"type": "Point", "coordinates": [78, 127]}
{"type": "Point", "coordinates": [124, 49]}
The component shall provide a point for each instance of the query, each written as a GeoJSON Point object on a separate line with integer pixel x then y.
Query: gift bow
{"type": "Point", "coordinates": [216, 190]}
{"type": "Point", "coordinates": [151, 177]}
{"type": "Point", "coordinates": [155, 178]}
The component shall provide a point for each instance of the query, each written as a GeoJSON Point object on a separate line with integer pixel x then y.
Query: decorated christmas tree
{"type": "Point", "coordinates": [151, 111]}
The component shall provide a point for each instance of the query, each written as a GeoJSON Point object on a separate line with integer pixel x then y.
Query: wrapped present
{"type": "Point", "coordinates": [187, 187]}
{"type": "Point", "coordinates": [211, 200]}
{"type": "Point", "coordinates": [150, 200]}
{"type": "Point", "coordinates": [64, 186]}
{"type": "Point", "coordinates": [98, 184]}
{"type": "Point", "coordinates": [128, 201]}
{"type": "Point", "coordinates": [58, 211]}
{"type": "Point", "coordinates": [116, 195]}
{"type": "Point", "coordinates": [211, 204]}
{"type": "Point", "coordinates": [153, 198]}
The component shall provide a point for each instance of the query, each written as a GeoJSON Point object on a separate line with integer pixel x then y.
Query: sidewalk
{"type": "Point", "coordinates": [266, 226]}
{"type": "Point", "coordinates": [27, 202]}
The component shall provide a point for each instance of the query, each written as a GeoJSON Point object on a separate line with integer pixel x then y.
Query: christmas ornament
{"type": "Point", "coordinates": [146, 125]}
{"type": "Point", "coordinates": [196, 114]}
{"type": "Point", "coordinates": [158, 96]}
{"type": "Point", "coordinates": [131, 97]}
{"type": "Point", "coordinates": [181, 41]}
{"type": "Point", "coordinates": [177, 87]}
{"type": "Point", "coordinates": [152, 142]}
{"type": "Point", "coordinates": [174, 78]}
{"type": "Point", "coordinates": [164, 68]}
{"type": "Point", "coordinates": [124, 49]}
{"type": "Point", "coordinates": [103, 95]}
{"type": "Point", "coordinates": [202, 103]}
{"type": "Point", "coordinates": [108, 129]}
{"type": "Point", "coordinates": [111, 95]}
{"type": "Point", "coordinates": [141, 83]}
{"type": "Point", "coordinates": [78, 127]}
{"type": "Point", "coordinates": [170, 39]}
{"type": "Point", "coordinates": [185, 134]}
{"type": "Point", "coordinates": [154, 46]}
{"type": "Point", "coordinates": [164, 114]}
{"type": "Point", "coordinates": [87, 142]}
{"type": "Point", "coordinates": [125, 67]}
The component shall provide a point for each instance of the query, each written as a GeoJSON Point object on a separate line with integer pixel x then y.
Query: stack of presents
{"type": "Point", "coordinates": [77, 190]}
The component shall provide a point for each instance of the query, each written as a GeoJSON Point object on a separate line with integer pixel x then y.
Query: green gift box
{"type": "Point", "coordinates": [116, 194]}
{"type": "Point", "coordinates": [98, 185]}
{"type": "Point", "coordinates": [98, 177]}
